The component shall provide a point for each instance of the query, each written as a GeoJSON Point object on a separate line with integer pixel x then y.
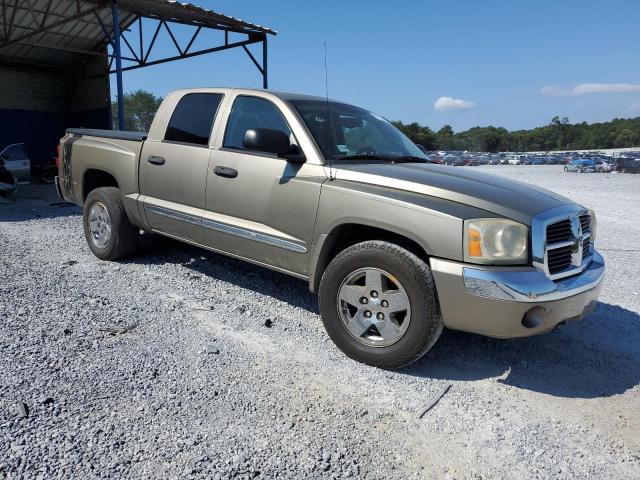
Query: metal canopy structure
{"type": "Point", "coordinates": [62, 35]}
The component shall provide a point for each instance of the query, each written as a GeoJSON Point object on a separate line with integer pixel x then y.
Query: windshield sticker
{"type": "Point", "coordinates": [343, 149]}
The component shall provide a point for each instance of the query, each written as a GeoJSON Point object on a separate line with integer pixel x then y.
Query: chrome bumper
{"type": "Point", "coordinates": [500, 301]}
{"type": "Point", "coordinates": [531, 285]}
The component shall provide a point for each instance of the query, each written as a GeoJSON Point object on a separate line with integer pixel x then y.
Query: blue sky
{"type": "Point", "coordinates": [513, 63]}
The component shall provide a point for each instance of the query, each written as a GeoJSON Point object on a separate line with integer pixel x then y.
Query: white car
{"type": "Point", "coordinates": [603, 167]}
{"type": "Point", "coordinates": [16, 160]}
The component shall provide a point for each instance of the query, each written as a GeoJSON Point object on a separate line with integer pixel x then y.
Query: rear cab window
{"type": "Point", "coordinates": [192, 119]}
{"type": "Point", "coordinates": [249, 113]}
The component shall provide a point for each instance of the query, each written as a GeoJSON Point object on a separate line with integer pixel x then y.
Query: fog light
{"type": "Point", "coordinates": [533, 318]}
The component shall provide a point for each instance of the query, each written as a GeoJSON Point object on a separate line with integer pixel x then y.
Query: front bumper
{"type": "Point", "coordinates": [508, 302]}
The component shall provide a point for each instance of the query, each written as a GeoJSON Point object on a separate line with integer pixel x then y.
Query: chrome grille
{"type": "Point", "coordinates": [568, 245]}
{"type": "Point", "coordinates": [585, 223]}
{"type": "Point", "coordinates": [559, 246]}
{"type": "Point", "coordinates": [561, 241]}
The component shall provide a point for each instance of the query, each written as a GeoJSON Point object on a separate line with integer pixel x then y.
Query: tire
{"type": "Point", "coordinates": [412, 275]}
{"type": "Point", "coordinates": [566, 169]}
{"type": "Point", "coordinates": [123, 237]}
{"type": "Point", "coordinates": [48, 174]}
{"type": "Point", "coordinates": [601, 170]}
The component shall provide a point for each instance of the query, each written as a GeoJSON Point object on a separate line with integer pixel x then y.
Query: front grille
{"type": "Point", "coordinates": [585, 222]}
{"type": "Point", "coordinates": [558, 259]}
{"type": "Point", "coordinates": [559, 256]}
{"type": "Point", "coordinates": [559, 231]}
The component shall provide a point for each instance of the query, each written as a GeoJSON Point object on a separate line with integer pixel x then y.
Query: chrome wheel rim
{"type": "Point", "coordinates": [99, 225]}
{"type": "Point", "coordinates": [374, 307]}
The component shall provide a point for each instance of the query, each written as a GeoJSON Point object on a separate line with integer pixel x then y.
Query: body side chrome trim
{"type": "Point", "coordinates": [166, 212]}
{"type": "Point", "coordinates": [253, 235]}
{"type": "Point", "coordinates": [229, 229]}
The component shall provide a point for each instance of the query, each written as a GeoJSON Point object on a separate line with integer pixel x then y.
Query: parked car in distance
{"type": "Point", "coordinates": [627, 165]}
{"type": "Point", "coordinates": [514, 159]}
{"type": "Point", "coordinates": [7, 180]}
{"type": "Point", "coordinates": [17, 161]}
{"type": "Point", "coordinates": [602, 166]}
{"type": "Point", "coordinates": [580, 165]}
{"type": "Point", "coordinates": [397, 248]}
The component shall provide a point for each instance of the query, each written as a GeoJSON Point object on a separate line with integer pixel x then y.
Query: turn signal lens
{"type": "Point", "coordinates": [475, 249]}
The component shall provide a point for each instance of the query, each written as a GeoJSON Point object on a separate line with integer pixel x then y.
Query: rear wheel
{"type": "Point", "coordinates": [109, 233]}
{"type": "Point", "coordinates": [379, 305]}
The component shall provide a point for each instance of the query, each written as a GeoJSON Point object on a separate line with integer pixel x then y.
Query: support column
{"type": "Point", "coordinates": [118, 55]}
{"type": "Point", "coordinates": [265, 74]}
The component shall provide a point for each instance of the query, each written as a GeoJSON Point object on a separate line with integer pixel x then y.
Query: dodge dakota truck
{"type": "Point", "coordinates": [397, 248]}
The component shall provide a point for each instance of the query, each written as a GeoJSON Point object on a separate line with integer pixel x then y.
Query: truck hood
{"type": "Point", "coordinates": [509, 198]}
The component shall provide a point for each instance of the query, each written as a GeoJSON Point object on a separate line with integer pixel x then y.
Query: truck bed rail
{"type": "Point", "coordinates": [119, 134]}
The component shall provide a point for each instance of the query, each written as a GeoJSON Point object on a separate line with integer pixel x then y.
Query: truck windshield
{"type": "Point", "coordinates": [345, 132]}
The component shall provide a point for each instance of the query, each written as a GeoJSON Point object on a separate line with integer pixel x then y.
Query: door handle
{"type": "Point", "coordinates": [156, 160]}
{"type": "Point", "coordinates": [226, 172]}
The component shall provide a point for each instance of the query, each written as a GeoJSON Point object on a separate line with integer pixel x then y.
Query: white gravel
{"type": "Point", "coordinates": [201, 388]}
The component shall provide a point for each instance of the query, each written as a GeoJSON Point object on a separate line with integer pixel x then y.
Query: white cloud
{"type": "Point", "coordinates": [443, 104]}
{"type": "Point", "coordinates": [589, 88]}
{"type": "Point", "coordinates": [635, 107]}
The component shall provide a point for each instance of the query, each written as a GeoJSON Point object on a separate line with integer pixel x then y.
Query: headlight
{"type": "Point", "coordinates": [593, 226]}
{"type": "Point", "coordinates": [496, 240]}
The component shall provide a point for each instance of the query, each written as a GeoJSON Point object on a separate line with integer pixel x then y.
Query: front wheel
{"type": "Point", "coordinates": [379, 304]}
{"type": "Point", "coordinates": [107, 228]}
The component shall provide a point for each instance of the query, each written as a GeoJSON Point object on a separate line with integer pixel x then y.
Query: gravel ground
{"type": "Point", "coordinates": [222, 369]}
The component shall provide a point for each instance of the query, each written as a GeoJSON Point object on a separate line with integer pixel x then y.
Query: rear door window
{"type": "Point", "coordinates": [249, 113]}
{"type": "Point", "coordinates": [192, 119]}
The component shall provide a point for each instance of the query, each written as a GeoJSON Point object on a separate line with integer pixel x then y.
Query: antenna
{"type": "Point", "coordinates": [328, 129]}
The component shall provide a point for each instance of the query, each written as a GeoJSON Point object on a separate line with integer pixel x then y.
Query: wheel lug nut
{"type": "Point", "coordinates": [374, 294]}
{"type": "Point", "coordinates": [380, 316]}
{"type": "Point", "coordinates": [364, 300]}
{"type": "Point", "coordinates": [384, 303]}
{"type": "Point", "coordinates": [367, 313]}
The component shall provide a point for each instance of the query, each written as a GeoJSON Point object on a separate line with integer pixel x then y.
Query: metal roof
{"type": "Point", "coordinates": [60, 33]}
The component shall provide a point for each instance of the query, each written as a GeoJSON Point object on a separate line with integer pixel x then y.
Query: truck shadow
{"type": "Point", "coordinates": [596, 357]}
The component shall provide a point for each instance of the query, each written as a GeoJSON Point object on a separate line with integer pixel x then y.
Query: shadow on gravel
{"type": "Point", "coordinates": [595, 357]}
{"type": "Point", "coordinates": [10, 212]}
{"type": "Point", "coordinates": [237, 272]}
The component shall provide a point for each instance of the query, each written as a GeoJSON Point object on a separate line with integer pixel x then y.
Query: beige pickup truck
{"type": "Point", "coordinates": [397, 248]}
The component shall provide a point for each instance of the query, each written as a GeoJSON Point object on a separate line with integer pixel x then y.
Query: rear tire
{"type": "Point", "coordinates": [403, 273]}
{"type": "Point", "coordinates": [107, 229]}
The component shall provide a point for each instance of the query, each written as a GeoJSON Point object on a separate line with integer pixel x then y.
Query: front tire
{"type": "Point", "coordinates": [109, 233]}
{"type": "Point", "coordinates": [379, 304]}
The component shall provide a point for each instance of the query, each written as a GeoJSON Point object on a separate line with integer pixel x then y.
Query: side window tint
{"type": "Point", "coordinates": [192, 119]}
{"type": "Point", "coordinates": [249, 113]}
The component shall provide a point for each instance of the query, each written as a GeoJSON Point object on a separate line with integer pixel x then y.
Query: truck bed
{"type": "Point", "coordinates": [118, 134]}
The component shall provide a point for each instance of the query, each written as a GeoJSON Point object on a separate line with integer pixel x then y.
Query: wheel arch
{"type": "Point", "coordinates": [96, 178]}
{"type": "Point", "coordinates": [345, 235]}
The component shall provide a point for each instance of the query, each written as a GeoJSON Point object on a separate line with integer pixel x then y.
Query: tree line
{"type": "Point", "coordinates": [559, 134]}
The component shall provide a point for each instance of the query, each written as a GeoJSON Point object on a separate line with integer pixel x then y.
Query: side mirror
{"type": "Point", "coordinates": [421, 147]}
{"type": "Point", "coordinates": [267, 140]}
{"type": "Point", "coordinates": [273, 141]}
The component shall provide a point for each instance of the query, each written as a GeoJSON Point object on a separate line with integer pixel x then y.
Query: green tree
{"type": "Point", "coordinates": [139, 108]}
{"type": "Point", "coordinates": [559, 134]}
